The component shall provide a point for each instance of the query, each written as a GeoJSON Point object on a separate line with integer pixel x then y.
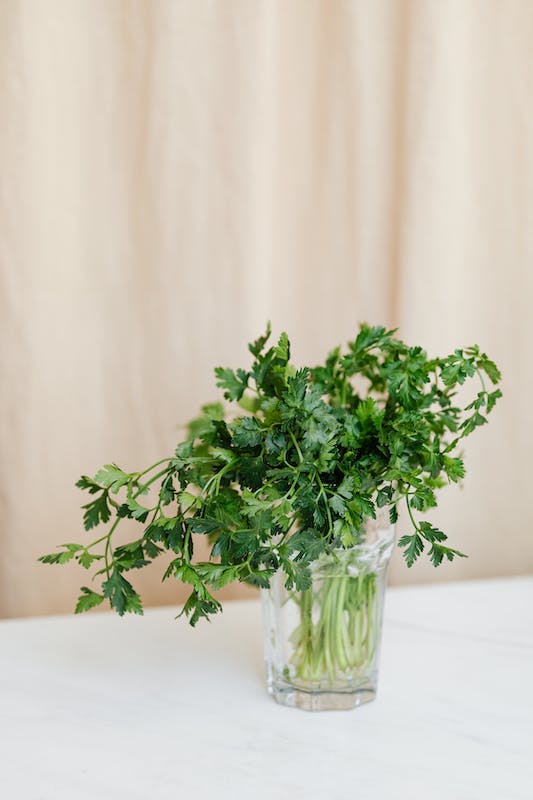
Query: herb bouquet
{"type": "Point", "coordinates": [298, 495]}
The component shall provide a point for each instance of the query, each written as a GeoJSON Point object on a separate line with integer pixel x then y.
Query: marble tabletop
{"type": "Point", "coordinates": [146, 708]}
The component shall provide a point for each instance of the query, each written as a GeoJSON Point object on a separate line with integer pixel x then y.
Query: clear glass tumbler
{"type": "Point", "coordinates": [322, 644]}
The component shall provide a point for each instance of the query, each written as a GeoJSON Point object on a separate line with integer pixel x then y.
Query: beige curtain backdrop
{"type": "Point", "coordinates": [174, 173]}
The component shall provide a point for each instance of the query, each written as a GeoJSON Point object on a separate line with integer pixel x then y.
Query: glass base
{"type": "Point", "coordinates": [321, 700]}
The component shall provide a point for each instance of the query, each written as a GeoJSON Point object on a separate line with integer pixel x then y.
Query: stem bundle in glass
{"type": "Point", "coordinates": [339, 628]}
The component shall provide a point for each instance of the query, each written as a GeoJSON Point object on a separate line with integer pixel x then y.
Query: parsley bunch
{"type": "Point", "coordinates": [315, 453]}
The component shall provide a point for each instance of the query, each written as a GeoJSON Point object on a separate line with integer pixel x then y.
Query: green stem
{"type": "Point", "coordinates": [324, 495]}
{"type": "Point", "coordinates": [157, 463]}
{"type": "Point", "coordinates": [186, 541]}
{"type": "Point", "coordinates": [480, 376]}
{"type": "Point", "coordinates": [107, 551]}
{"type": "Point", "coordinates": [217, 477]}
{"type": "Point", "coordinates": [342, 643]}
{"type": "Point", "coordinates": [408, 504]}
{"type": "Point", "coordinates": [297, 446]}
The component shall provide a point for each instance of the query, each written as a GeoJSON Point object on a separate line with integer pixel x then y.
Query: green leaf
{"type": "Point", "coordinates": [134, 604]}
{"type": "Point", "coordinates": [297, 576]}
{"type": "Point", "coordinates": [345, 533]}
{"type": "Point", "coordinates": [414, 547]}
{"type": "Point", "coordinates": [369, 337]}
{"type": "Point", "coordinates": [247, 432]}
{"type": "Point", "coordinates": [198, 607]}
{"type": "Point", "coordinates": [489, 368]}
{"type": "Point", "coordinates": [259, 577]}
{"type": "Point", "coordinates": [253, 504]}
{"type": "Point", "coordinates": [203, 525]}
{"type": "Point", "coordinates": [88, 484]}
{"type": "Point", "coordinates": [345, 489]}
{"type": "Point", "coordinates": [96, 511]}
{"type": "Point", "coordinates": [130, 556]}
{"type": "Point", "coordinates": [256, 347]}
{"type": "Point", "coordinates": [282, 349]}
{"type": "Point", "coordinates": [283, 514]}
{"type": "Point", "coordinates": [233, 382]}
{"type": "Point", "coordinates": [438, 551]}
{"type": "Point", "coordinates": [319, 516]}
{"type": "Point", "coordinates": [307, 544]}
{"type": "Point", "coordinates": [367, 412]}
{"type": "Point", "coordinates": [251, 471]}
{"type": "Point", "coordinates": [167, 492]}
{"type": "Point", "coordinates": [223, 545]}
{"type": "Point", "coordinates": [64, 556]}
{"type": "Point", "coordinates": [86, 559]}
{"type": "Point", "coordinates": [217, 575]}
{"type": "Point", "coordinates": [161, 522]}
{"type": "Point", "coordinates": [473, 422]}
{"type": "Point", "coordinates": [362, 507]}
{"type": "Point", "coordinates": [250, 403]}
{"type": "Point", "coordinates": [423, 498]}
{"type": "Point", "coordinates": [187, 500]}
{"type": "Point", "coordinates": [133, 510]}
{"type": "Point", "coordinates": [384, 496]}
{"type": "Point", "coordinates": [121, 594]}
{"type": "Point", "coordinates": [337, 504]}
{"type": "Point", "coordinates": [87, 600]}
{"type": "Point", "coordinates": [454, 468]}
{"type": "Point", "coordinates": [244, 543]}
{"type": "Point", "coordinates": [151, 549]}
{"type": "Point", "coordinates": [492, 399]}
{"type": "Point", "coordinates": [430, 533]}
{"type": "Point", "coordinates": [112, 477]}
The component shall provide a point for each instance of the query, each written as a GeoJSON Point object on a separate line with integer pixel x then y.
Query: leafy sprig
{"type": "Point", "coordinates": [314, 455]}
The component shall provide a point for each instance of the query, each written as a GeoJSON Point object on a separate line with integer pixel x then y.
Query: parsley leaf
{"type": "Point", "coordinates": [96, 511]}
{"type": "Point", "coordinates": [112, 477]}
{"type": "Point", "coordinates": [414, 547]}
{"type": "Point", "coordinates": [233, 382]}
{"type": "Point", "coordinates": [121, 594]}
{"type": "Point", "coordinates": [87, 600]}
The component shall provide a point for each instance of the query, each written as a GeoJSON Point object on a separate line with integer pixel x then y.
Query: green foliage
{"type": "Point", "coordinates": [233, 383]}
{"type": "Point", "coordinates": [314, 455]}
{"type": "Point", "coordinates": [112, 477]}
{"type": "Point", "coordinates": [62, 557]}
{"type": "Point", "coordinates": [414, 547]}
{"type": "Point", "coordinates": [87, 600]}
{"type": "Point", "coordinates": [121, 594]}
{"type": "Point", "coordinates": [96, 511]}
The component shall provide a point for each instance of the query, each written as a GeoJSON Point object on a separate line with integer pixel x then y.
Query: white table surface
{"type": "Point", "coordinates": [145, 707]}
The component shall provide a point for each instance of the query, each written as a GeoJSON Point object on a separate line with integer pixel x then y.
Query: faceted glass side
{"type": "Point", "coordinates": [322, 644]}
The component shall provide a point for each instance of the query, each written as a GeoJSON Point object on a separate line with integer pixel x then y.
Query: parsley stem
{"type": "Point", "coordinates": [480, 376]}
{"type": "Point", "coordinates": [217, 477]}
{"type": "Point", "coordinates": [186, 541]}
{"type": "Point", "coordinates": [108, 546]}
{"type": "Point", "coordinates": [342, 642]}
{"type": "Point", "coordinates": [153, 479]}
{"type": "Point", "coordinates": [289, 491]}
{"type": "Point", "coordinates": [323, 493]}
{"type": "Point", "coordinates": [408, 504]}
{"type": "Point", "coordinates": [157, 463]}
{"type": "Point", "coordinates": [343, 392]}
{"type": "Point", "coordinates": [295, 443]}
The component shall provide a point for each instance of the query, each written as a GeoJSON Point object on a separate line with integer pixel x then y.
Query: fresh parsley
{"type": "Point", "coordinates": [309, 457]}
